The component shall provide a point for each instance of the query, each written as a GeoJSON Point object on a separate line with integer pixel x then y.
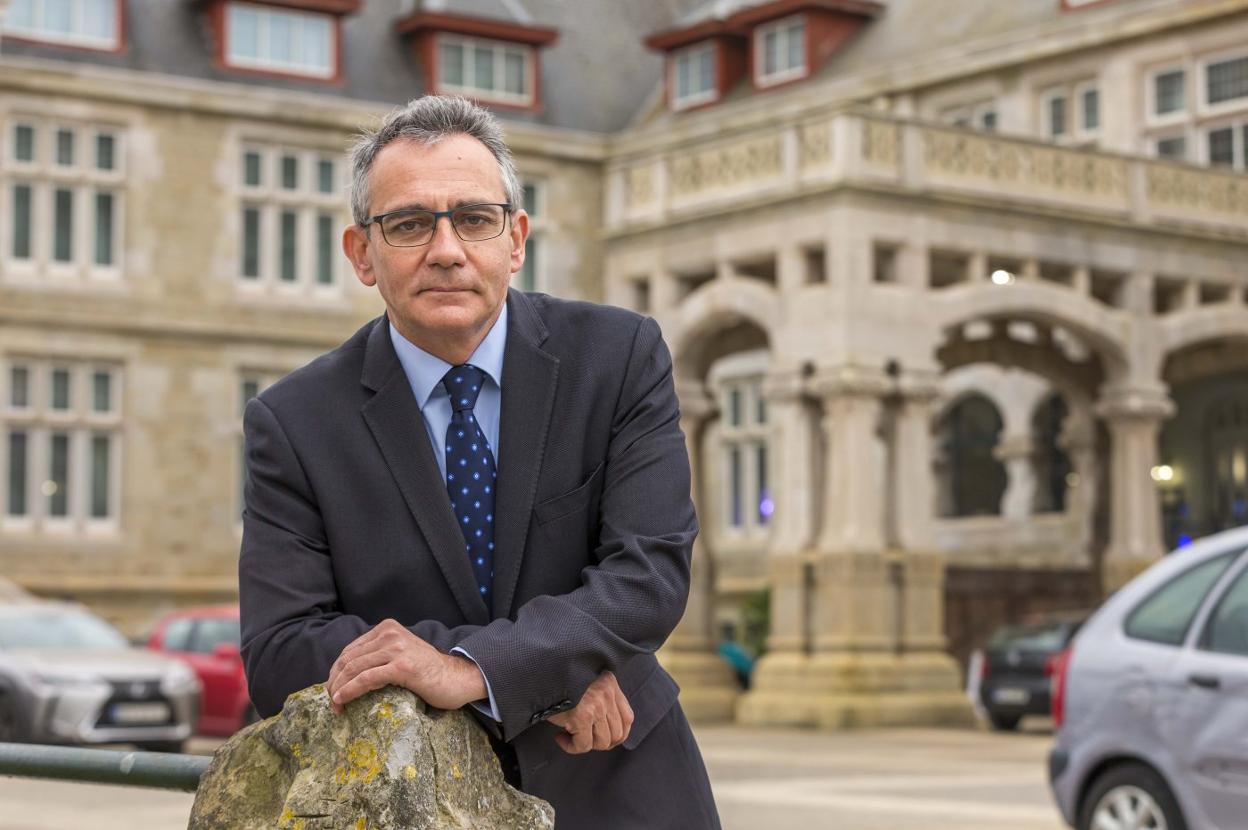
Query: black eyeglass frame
{"type": "Point", "coordinates": [507, 207]}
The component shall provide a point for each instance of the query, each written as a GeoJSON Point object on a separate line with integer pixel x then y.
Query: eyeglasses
{"type": "Point", "coordinates": [472, 223]}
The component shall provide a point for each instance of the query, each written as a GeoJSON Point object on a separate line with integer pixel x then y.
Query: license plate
{"type": "Point", "coordinates": [1013, 697]}
{"type": "Point", "coordinates": [136, 713]}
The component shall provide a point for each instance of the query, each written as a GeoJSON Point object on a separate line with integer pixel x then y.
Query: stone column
{"type": "Point", "coordinates": [1134, 418]}
{"type": "Point", "coordinates": [779, 677]}
{"type": "Point", "coordinates": [708, 687]}
{"type": "Point", "coordinates": [929, 673]}
{"type": "Point", "coordinates": [1078, 440]}
{"type": "Point", "coordinates": [1016, 453]}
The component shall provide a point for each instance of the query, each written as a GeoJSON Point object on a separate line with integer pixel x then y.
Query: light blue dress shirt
{"type": "Point", "coordinates": [424, 374]}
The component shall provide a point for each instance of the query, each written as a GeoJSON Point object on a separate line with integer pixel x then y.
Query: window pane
{"type": "Point", "coordinates": [1165, 616]}
{"type": "Point", "coordinates": [103, 229]}
{"type": "Point", "coordinates": [797, 46]}
{"type": "Point", "coordinates": [60, 390]}
{"type": "Point", "coordinates": [17, 473]}
{"type": "Point", "coordinates": [735, 495]}
{"type": "Point", "coordinates": [325, 176]}
{"type": "Point", "coordinates": [99, 18]}
{"type": "Point", "coordinates": [770, 52]}
{"type": "Point", "coordinates": [177, 635]}
{"type": "Point", "coordinates": [101, 392]}
{"type": "Point", "coordinates": [989, 120]}
{"type": "Point", "coordinates": [1172, 148]}
{"type": "Point", "coordinates": [528, 272]}
{"type": "Point", "coordinates": [289, 245]}
{"type": "Point", "coordinates": [483, 68]}
{"type": "Point", "coordinates": [250, 388]}
{"type": "Point", "coordinates": [314, 43]}
{"type": "Point", "coordinates": [21, 221]}
{"type": "Point", "coordinates": [24, 142]}
{"type": "Point", "coordinates": [1091, 110]}
{"type": "Point", "coordinates": [21, 14]}
{"type": "Point", "coordinates": [764, 497]}
{"type": "Point", "coordinates": [58, 483]}
{"type": "Point", "coordinates": [251, 242]}
{"type": "Point", "coordinates": [63, 248]}
{"type": "Point", "coordinates": [101, 448]}
{"type": "Point", "coordinates": [761, 412]}
{"type": "Point", "coordinates": [243, 32]}
{"type": "Point", "coordinates": [514, 72]}
{"type": "Point", "coordinates": [1227, 80]}
{"type": "Point", "coordinates": [105, 149]}
{"type": "Point", "coordinates": [1057, 115]}
{"type": "Point", "coordinates": [1221, 147]}
{"type": "Point", "coordinates": [1227, 630]}
{"type": "Point", "coordinates": [530, 199]}
{"type": "Point", "coordinates": [734, 407]}
{"type": "Point", "coordinates": [684, 74]}
{"type": "Point", "coordinates": [1169, 88]}
{"type": "Point", "coordinates": [58, 16]}
{"type": "Point", "coordinates": [251, 169]}
{"type": "Point", "coordinates": [64, 147]}
{"type": "Point", "coordinates": [290, 172]}
{"type": "Point", "coordinates": [281, 38]}
{"type": "Point", "coordinates": [325, 249]}
{"type": "Point", "coordinates": [19, 387]}
{"type": "Point", "coordinates": [452, 69]}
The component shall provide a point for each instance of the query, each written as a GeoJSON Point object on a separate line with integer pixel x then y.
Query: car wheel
{"type": "Point", "coordinates": [162, 746]}
{"type": "Point", "coordinates": [1004, 723]}
{"type": "Point", "coordinates": [1130, 795]}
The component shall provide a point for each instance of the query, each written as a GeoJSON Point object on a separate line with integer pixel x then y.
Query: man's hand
{"type": "Point", "coordinates": [389, 654]}
{"type": "Point", "coordinates": [601, 720]}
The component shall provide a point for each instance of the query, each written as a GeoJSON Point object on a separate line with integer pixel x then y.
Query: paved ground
{"type": "Point", "coordinates": [769, 779]}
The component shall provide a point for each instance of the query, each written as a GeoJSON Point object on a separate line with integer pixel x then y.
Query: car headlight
{"type": "Point", "coordinates": [179, 680]}
{"type": "Point", "coordinates": [68, 679]}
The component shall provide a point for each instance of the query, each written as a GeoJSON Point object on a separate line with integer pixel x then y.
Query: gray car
{"type": "Point", "coordinates": [66, 676]}
{"type": "Point", "coordinates": [1153, 699]}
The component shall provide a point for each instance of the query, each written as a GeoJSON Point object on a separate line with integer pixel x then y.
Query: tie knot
{"type": "Point", "coordinates": [463, 385]}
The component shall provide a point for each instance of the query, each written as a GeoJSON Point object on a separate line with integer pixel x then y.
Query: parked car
{"type": "Point", "coordinates": [207, 640]}
{"type": "Point", "coordinates": [1152, 699]}
{"type": "Point", "coordinates": [1018, 664]}
{"type": "Point", "coordinates": [67, 676]}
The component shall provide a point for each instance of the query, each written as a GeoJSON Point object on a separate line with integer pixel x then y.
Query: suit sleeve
{"type": "Point", "coordinates": [293, 628]}
{"type": "Point", "coordinates": [629, 602]}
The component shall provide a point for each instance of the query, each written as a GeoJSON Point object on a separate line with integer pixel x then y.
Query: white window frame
{"type": "Point", "coordinates": [84, 179]}
{"type": "Point", "coordinates": [1203, 107]}
{"type": "Point", "coordinates": [746, 373]}
{"type": "Point", "coordinates": [39, 421]}
{"type": "Point", "coordinates": [77, 37]}
{"type": "Point", "coordinates": [308, 202]}
{"type": "Point", "coordinates": [268, 64]}
{"type": "Point", "coordinates": [500, 48]}
{"type": "Point", "coordinates": [762, 80]}
{"type": "Point", "coordinates": [700, 97]}
{"type": "Point", "coordinates": [539, 230]}
{"type": "Point", "coordinates": [1239, 150]}
{"type": "Point", "coordinates": [1151, 116]}
{"type": "Point", "coordinates": [972, 115]}
{"type": "Point", "coordinates": [1081, 129]}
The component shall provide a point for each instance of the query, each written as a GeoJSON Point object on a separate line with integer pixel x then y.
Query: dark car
{"type": "Point", "coordinates": [1019, 664]}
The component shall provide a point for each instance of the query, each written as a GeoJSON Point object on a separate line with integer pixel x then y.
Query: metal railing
{"type": "Point", "coordinates": [166, 771]}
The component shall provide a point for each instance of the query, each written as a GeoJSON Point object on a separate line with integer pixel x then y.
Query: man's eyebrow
{"type": "Point", "coordinates": [458, 203]}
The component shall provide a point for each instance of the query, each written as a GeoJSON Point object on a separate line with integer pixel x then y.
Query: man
{"type": "Point", "coordinates": [482, 496]}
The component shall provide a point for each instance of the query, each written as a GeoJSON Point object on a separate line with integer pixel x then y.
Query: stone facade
{"type": "Point", "coordinates": [839, 266]}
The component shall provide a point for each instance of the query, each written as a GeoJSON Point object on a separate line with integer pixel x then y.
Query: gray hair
{"type": "Point", "coordinates": [428, 120]}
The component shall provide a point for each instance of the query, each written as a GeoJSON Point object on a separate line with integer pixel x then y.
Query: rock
{"type": "Point", "coordinates": [388, 763]}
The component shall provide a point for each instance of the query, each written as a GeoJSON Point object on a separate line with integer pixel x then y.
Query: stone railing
{"type": "Point", "coordinates": [847, 149]}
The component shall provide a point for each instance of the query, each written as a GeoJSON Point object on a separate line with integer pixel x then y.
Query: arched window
{"type": "Point", "coordinates": [1052, 465]}
{"type": "Point", "coordinates": [1226, 447]}
{"type": "Point", "coordinates": [972, 480]}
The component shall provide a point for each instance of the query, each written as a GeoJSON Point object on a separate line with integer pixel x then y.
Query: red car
{"type": "Point", "coordinates": [206, 638]}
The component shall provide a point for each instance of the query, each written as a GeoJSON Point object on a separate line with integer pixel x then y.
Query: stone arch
{"type": "Point", "coordinates": [1192, 330]}
{"type": "Point", "coordinates": [1105, 331]}
{"type": "Point", "coordinates": [719, 318]}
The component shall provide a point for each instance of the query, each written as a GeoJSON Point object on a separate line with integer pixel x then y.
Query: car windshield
{"type": "Point", "coordinates": [57, 629]}
{"type": "Point", "coordinates": [1048, 637]}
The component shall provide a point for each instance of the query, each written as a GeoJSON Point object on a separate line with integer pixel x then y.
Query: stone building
{"type": "Point", "coordinates": [955, 291]}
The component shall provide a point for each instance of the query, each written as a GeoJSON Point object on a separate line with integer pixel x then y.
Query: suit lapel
{"type": "Point", "coordinates": [398, 427]}
{"type": "Point", "coordinates": [529, 379]}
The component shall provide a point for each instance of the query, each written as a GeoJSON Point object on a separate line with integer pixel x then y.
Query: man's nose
{"type": "Point", "coordinates": [445, 248]}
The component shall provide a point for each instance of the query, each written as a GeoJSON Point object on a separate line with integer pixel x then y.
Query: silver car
{"type": "Point", "coordinates": [66, 676]}
{"type": "Point", "coordinates": [1153, 699]}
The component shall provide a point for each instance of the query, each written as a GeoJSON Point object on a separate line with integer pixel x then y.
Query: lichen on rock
{"type": "Point", "coordinates": [388, 763]}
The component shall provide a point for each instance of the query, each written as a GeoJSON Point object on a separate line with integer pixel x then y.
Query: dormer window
{"type": "Point", "coordinates": [488, 70]}
{"type": "Point", "coordinates": [280, 40]}
{"type": "Point", "coordinates": [780, 51]}
{"type": "Point", "coordinates": [91, 24]}
{"type": "Point", "coordinates": [693, 76]}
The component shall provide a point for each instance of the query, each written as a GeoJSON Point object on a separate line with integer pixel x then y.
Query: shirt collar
{"type": "Point", "coordinates": [425, 372]}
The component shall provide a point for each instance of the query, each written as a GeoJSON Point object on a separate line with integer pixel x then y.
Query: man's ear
{"type": "Point", "coordinates": [519, 233]}
{"type": "Point", "coordinates": [356, 244]}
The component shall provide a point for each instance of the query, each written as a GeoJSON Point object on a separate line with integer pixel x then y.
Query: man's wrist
{"type": "Point", "coordinates": [467, 679]}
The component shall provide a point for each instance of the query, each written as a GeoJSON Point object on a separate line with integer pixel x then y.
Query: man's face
{"type": "Point", "coordinates": [448, 292]}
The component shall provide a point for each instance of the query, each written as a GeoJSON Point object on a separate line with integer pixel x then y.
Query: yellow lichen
{"type": "Point", "coordinates": [364, 763]}
{"type": "Point", "coordinates": [285, 817]}
{"type": "Point", "coordinates": [384, 711]}
{"type": "Point", "coordinates": [409, 772]}
{"type": "Point", "coordinates": [361, 823]}
{"type": "Point", "coordinates": [455, 773]}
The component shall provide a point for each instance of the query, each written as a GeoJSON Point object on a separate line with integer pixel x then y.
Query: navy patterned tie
{"type": "Point", "coordinates": [470, 474]}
